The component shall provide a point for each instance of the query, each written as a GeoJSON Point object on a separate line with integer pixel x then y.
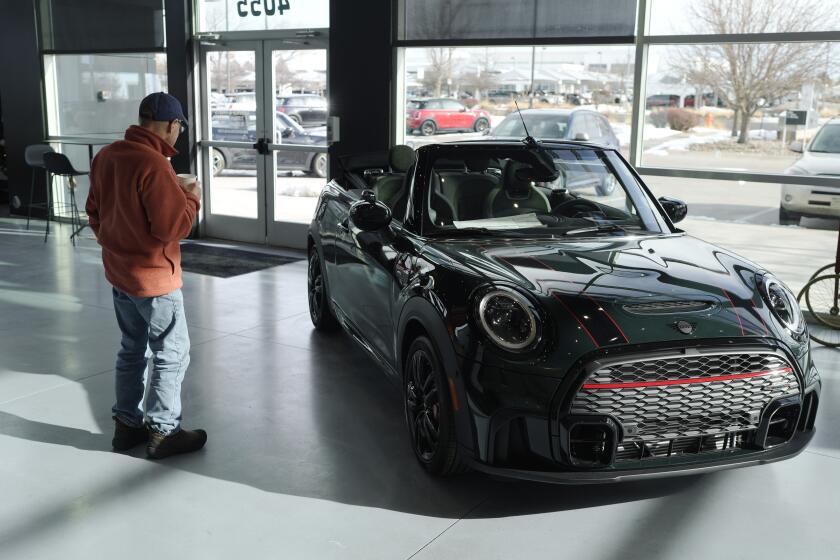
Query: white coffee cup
{"type": "Point", "coordinates": [186, 179]}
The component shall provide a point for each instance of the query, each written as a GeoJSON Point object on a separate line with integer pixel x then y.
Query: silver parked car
{"type": "Point", "coordinates": [821, 156]}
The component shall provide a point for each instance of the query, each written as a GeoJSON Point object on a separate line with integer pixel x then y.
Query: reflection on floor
{"type": "Point", "coordinates": [307, 456]}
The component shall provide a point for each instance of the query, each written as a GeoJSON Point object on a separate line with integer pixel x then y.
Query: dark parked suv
{"type": "Point", "coordinates": [241, 126]}
{"type": "Point", "coordinates": [306, 110]}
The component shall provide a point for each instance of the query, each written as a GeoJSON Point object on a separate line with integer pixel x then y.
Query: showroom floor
{"type": "Point", "coordinates": [307, 455]}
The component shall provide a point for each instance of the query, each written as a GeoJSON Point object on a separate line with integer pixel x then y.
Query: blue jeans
{"type": "Point", "coordinates": [157, 324]}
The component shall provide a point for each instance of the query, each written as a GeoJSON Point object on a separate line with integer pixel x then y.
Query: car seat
{"type": "Point", "coordinates": [390, 188]}
{"type": "Point", "coordinates": [517, 195]}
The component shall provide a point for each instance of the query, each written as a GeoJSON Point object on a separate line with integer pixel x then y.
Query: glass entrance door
{"type": "Point", "coordinates": [264, 143]}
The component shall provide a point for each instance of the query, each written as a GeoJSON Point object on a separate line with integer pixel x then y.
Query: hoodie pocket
{"type": "Point", "coordinates": [170, 261]}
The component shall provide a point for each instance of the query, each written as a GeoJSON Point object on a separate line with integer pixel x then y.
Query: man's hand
{"type": "Point", "coordinates": [193, 188]}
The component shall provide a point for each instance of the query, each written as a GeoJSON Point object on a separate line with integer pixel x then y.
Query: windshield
{"type": "Point", "coordinates": [546, 126]}
{"type": "Point", "coordinates": [827, 139]}
{"type": "Point", "coordinates": [495, 189]}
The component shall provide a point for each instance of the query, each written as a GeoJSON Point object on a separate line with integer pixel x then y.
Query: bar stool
{"type": "Point", "coordinates": [58, 165]}
{"type": "Point", "coordinates": [34, 156]}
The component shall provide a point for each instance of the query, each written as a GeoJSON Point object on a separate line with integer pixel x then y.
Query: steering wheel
{"type": "Point", "coordinates": [574, 207]}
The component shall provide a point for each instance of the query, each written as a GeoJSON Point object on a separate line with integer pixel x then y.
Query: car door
{"type": "Point", "coordinates": [460, 118]}
{"type": "Point", "coordinates": [289, 132]}
{"type": "Point", "coordinates": [365, 290]}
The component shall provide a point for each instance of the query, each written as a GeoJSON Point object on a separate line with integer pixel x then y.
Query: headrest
{"type": "Point", "coordinates": [517, 179]}
{"type": "Point", "coordinates": [449, 165]}
{"type": "Point", "coordinates": [401, 158]}
{"type": "Point", "coordinates": [478, 165]}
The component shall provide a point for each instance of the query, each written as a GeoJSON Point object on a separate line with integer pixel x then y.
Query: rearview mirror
{"type": "Point", "coordinates": [582, 137]}
{"type": "Point", "coordinates": [369, 214]}
{"type": "Point", "coordinates": [676, 209]}
{"type": "Point", "coordinates": [796, 146]}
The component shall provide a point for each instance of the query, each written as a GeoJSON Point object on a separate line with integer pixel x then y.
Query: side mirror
{"type": "Point", "coordinates": [369, 214]}
{"type": "Point", "coordinates": [676, 209]}
{"type": "Point", "coordinates": [582, 137]}
{"type": "Point", "coordinates": [462, 110]}
{"type": "Point", "coordinates": [287, 132]}
{"type": "Point", "coordinates": [796, 146]}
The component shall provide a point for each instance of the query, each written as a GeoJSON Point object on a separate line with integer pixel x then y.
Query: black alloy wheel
{"type": "Point", "coordinates": [428, 410]}
{"type": "Point", "coordinates": [319, 308]}
{"type": "Point", "coordinates": [428, 128]}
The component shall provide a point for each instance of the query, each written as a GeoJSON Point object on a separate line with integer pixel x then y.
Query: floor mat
{"type": "Point", "coordinates": [225, 262]}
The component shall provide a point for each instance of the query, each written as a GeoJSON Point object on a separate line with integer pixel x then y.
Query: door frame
{"type": "Point", "coordinates": [263, 229]}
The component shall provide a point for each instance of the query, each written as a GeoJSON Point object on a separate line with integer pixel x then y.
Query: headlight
{"type": "Point", "coordinates": [509, 319]}
{"type": "Point", "coordinates": [782, 303]}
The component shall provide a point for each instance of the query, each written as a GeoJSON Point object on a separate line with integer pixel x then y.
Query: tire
{"type": "Point", "coordinates": [428, 128]}
{"type": "Point", "coordinates": [429, 415]}
{"type": "Point", "coordinates": [296, 118]}
{"type": "Point", "coordinates": [319, 307]}
{"type": "Point", "coordinates": [217, 161]}
{"type": "Point", "coordinates": [788, 218]}
{"type": "Point", "coordinates": [481, 125]}
{"type": "Point", "coordinates": [817, 331]}
{"type": "Point", "coordinates": [319, 165]}
{"type": "Point", "coordinates": [607, 185]}
{"type": "Point", "coordinates": [822, 299]}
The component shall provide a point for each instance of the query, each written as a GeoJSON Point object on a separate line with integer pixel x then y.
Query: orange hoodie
{"type": "Point", "coordinates": [139, 213]}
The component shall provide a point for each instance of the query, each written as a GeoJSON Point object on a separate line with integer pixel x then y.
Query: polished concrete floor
{"type": "Point", "coordinates": [307, 455]}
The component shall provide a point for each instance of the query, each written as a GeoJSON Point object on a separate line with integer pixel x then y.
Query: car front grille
{"type": "Point", "coordinates": [664, 307]}
{"type": "Point", "coordinates": [688, 403]}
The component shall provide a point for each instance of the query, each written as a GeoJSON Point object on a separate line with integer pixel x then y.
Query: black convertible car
{"type": "Point", "coordinates": [552, 334]}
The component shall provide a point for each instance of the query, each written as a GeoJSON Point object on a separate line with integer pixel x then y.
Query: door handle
{"type": "Point", "coordinates": [262, 146]}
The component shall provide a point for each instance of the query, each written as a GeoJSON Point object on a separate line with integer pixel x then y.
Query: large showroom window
{"type": "Point", "coordinates": [713, 101]}
{"type": "Point", "coordinates": [96, 72]}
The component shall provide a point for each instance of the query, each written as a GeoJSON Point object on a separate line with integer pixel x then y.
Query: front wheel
{"type": "Point", "coordinates": [319, 306]}
{"type": "Point", "coordinates": [218, 162]}
{"type": "Point", "coordinates": [607, 185]}
{"type": "Point", "coordinates": [428, 410]}
{"type": "Point", "coordinates": [319, 165]}
{"type": "Point", "coordinates": [481, 125]}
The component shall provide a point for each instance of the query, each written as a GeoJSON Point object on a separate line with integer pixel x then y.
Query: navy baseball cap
{"type": "Point", "coordinates": [162, 107]}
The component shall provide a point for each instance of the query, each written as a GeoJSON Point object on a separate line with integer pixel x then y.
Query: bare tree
{"type": "Point", "coordinates": [439, 71]}
{"type": "Point", "coordinates": [438, 20]}
{"type": "Point", "coordinates": [283, 75]}
{"type": "Point", "coordinates": [746, 76]}
{"type": "Point", "coordinates": [225, 71]}
{"type": "Point", "coordinates": [481, 75]}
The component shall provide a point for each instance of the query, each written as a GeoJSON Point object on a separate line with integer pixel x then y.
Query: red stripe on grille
{"type": "Point", "coordinates": [596, 386]}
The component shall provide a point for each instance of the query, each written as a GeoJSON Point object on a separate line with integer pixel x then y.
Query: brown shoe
{"type": "Point", "coordinates": [126, 437]}
{"type": "Point", "coordinates": [182, 441]}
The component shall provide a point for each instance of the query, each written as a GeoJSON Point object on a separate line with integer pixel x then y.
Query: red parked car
{"type": "Point", "coordinates": [433, 115]}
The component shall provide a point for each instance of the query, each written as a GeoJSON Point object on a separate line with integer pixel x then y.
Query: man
{"type": "Point", "coordinates": [139, 212]}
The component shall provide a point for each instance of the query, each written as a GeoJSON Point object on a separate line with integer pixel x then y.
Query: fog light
{"type": "Point", "coordinates": [788, 198]}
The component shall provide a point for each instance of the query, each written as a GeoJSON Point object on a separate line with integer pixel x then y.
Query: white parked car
{"type": "Point", "coordinates": [821, 156]}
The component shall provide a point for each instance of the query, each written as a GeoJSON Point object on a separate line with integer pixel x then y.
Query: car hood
{"type": "Point", "coordinates": [604, 292]}
{"type": "Point", "coordinates": [815, 163]}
